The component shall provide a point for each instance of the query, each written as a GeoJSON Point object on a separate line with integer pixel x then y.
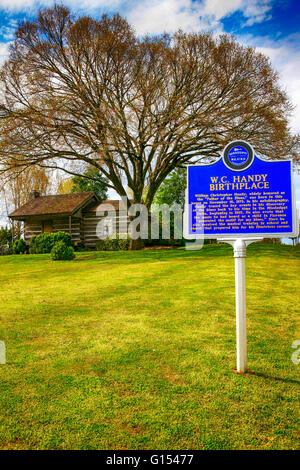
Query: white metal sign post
{"type": "Point", "coordinates": [240, 199]}
{"type": "Point", "coordinates": [240, 254]}
{"type": "Point", "coordinates": [240, 299]}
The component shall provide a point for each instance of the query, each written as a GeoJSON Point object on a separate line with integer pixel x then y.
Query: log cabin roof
{"type": "Point", "coordinates": [106, 206]}
{"type": "Point", "coordinates": [59, 204]}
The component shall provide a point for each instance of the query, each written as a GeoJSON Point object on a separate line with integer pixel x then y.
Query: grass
{"type": "Point", "coordinates": [136, 350]}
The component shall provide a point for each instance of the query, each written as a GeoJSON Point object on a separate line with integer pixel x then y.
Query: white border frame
{"type": "Point", "coordinates": [245, 236]}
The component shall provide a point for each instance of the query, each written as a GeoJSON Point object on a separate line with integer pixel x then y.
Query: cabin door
{"type": "Point", "coordinates": [47, 226]}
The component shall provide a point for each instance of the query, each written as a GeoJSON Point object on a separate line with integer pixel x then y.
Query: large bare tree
{"type": "Point", "coordinates": [80, 92]}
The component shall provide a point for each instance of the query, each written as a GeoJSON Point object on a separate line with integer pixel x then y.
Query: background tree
{"type": "Point", "coordinates": [17, 186]}
{"type": "Point", "coordinates": [92, 180]}
{"type": "Point", "coordinates": [65, 186]}
{"type": "Point", "coordinates": [5, 236]}
{"type": "Point", "coordinates": [172, 190]}
{"type": "Point", "coordinates": [89, 91]}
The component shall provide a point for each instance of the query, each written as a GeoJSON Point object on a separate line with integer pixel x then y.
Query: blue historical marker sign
{"type": "Point", "coordinates": [241, 196]}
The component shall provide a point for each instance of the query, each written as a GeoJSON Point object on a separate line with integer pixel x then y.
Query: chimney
{"type": "Point", "coordinates": [34, 195]}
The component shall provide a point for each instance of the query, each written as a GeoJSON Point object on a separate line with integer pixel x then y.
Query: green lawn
{"type": "Point", "coordinates": [136, 350]}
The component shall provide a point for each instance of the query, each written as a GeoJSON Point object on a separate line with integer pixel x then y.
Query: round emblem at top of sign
{"type": "Point", "coordinates": [238, 155]}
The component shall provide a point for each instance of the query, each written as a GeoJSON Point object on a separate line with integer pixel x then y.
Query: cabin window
{"type": "Point", "coordinates": [47, 226]}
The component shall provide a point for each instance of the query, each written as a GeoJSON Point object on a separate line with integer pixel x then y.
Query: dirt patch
{"type": "Point", "coordinates": [84, 258]}
{"type": "Point", "coordinates": [159, 248]}
{"type": "Point", "coordinates": [17, 444]}
{"type": "Point", "coordinates": [172, 377]}
{"type": "Point", "coordinates": [133, 430]}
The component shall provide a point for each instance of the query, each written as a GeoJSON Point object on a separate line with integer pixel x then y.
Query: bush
{"type": "Point", "coordinates": [19, 246]}
{"type": "Point", "coordinates": [32, 245]}
{"type": "Point", "coordinates": [63, 237]}
{"type": "Point", "coordinates": [79, 247]}
{"type": "Point", "coordinates": [113, 244]}
{"type": "Point", "coordinates": [44, 242]}
{"type": "Point", "coordinates": [4, 250]}
{"type": "Point", "coordinates": [5, 236]}
{"type": "Point", "coordinates": [124, 244]}
{"type": "Point", "coordinates": [61, 251]}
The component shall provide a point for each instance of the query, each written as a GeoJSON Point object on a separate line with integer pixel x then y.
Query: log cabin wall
{"type": "Point", "coordinates": [62, 224]}
{"type": "Point", "coordinates": [91, 220]}
{"type": "Point", "coordinates": [83, 230]}
{"type": "Point", "coordinates": [82, 225]}
{"type": "Point", "coordinates": [32, 227]}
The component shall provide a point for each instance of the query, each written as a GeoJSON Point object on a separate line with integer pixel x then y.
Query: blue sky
{"type": "Point", "coordinates": [272, 26]}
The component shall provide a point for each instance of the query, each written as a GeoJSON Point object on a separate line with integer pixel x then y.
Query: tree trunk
{"type": "Point", "coordinates": [136, 244]}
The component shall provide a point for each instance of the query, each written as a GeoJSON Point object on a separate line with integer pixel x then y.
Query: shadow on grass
{"type": "Point", "coordinates": [161, 255]}
{"type": "Point", "coordinates": [208, 251]}
{"type": "Point", "coordinates": [155, 255]}
{"type": "Point", "coordinates": [276, 379]}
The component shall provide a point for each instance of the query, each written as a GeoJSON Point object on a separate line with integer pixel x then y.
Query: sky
{"type": "Point", "coordinates": [272, 26]}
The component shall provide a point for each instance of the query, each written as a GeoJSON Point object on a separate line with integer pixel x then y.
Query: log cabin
{"type": "Point", "coordinates": [77, 213]}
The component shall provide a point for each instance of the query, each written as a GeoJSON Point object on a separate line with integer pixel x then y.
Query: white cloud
{"type": "Point", "coordinates": [19, 5]}
{"type": "Point", "coordinates": [93, 4]}
{"type": "Point", "coordinates": [4, 46]}
{"type": "Point", "coordinates": [179, 10]}
{"type": "Point", "coordinates": [285, 57]}
{"type": "Point", "coordinates": [256, 11]}
{"type": "Point", "coordinates": [221, 9]}
{"type": "Point", "coordinates": [8, 31]}
{"type": "Point", "coordinates": [156, 16]}
{"type": "Point", "coordinates": [30, 5]}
